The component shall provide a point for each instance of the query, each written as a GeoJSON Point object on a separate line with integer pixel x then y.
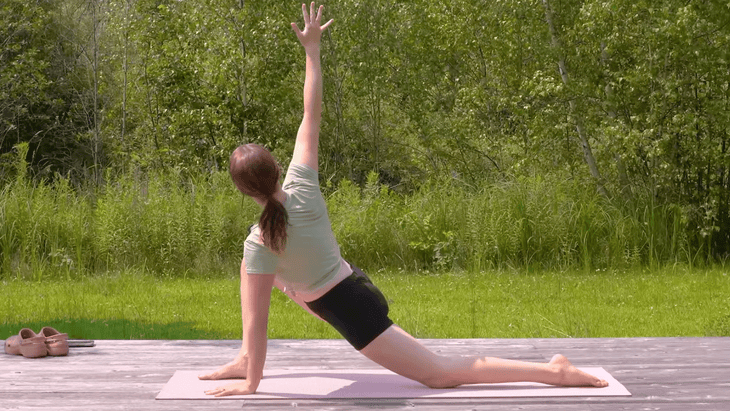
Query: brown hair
{"type": "Point", "coordinates": [256, 173]}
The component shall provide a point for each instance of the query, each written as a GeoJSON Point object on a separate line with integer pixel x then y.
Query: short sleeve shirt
{"type": "Point", "coordinates": [311, 257]}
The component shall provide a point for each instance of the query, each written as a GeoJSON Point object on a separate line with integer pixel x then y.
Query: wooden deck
{"type": "Point", "coordinates": [662, 373]}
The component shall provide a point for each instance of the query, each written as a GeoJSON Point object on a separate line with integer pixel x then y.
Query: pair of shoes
{"type": "Point", "coordinates": [31, 345]}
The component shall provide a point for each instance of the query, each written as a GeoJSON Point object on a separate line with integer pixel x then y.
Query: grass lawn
{"type": "Point", "coordinates": [131, 305]}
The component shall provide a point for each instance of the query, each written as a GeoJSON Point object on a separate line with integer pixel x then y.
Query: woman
{"type": "Point", "coordinates": [293, 248]}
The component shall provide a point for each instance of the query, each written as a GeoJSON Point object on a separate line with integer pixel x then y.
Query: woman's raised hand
{"type": "Point", "coordinates": [313, 28]}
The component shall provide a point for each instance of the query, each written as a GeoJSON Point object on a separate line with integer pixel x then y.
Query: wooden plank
{"type": "Point", "coordinates": [649, 348]}
{"type": "Point", "coordinates": [662, 373]}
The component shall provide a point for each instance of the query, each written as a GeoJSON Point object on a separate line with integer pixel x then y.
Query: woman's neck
{"type": "Point", "coordinates": [279, 195]}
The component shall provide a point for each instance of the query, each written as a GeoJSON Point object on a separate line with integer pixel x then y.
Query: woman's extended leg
{"type": "Point", "coordinates": [399, 352]}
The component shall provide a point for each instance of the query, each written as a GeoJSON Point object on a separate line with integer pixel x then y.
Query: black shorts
{"type": "Point", "coordinates": [356, 308]}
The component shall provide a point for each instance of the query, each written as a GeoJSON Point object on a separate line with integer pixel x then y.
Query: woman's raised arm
{"type": "Point", "coordinates": [307, 143]}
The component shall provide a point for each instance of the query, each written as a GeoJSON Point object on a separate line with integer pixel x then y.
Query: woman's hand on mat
{"type": "Point", "coordinates": [312, 32]}
{"type": "Point", "coordinates": [237, 388]}
{"type": "Point", "coordinates": [234, 369]}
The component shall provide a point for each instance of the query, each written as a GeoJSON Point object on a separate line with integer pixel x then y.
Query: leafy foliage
{"type": "Point", "coordinates": [627, 98]}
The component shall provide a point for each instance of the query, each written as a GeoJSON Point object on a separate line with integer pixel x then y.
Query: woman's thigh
{"type": "Point", "coordinates": [401, 353]}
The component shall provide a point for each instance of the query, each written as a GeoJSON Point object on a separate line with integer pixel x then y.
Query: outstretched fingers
{"type": "Point", "coordinates": [325, 25]}
{"type": "Point", "coordinates": [313, 29]}
{"type": "Point", "coordinates": [318, 20]}
{"type": "Point", "coordinates": [307, 22]}
{"type": "Point", "coordinates": [305, 15]}
{"type": "Point", "coordinates": [224, 392]}
{"type": "Point", "coordinates": [296, 29]}
{"type": "Point", "coordinates": [311, 17]}
{"type": "Point", "coordinates": [218, 392]}
{"type": "Point", "coordinates": [241, 388]}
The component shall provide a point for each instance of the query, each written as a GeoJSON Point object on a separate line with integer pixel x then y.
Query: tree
{"type": "Point", "coordinates": [38, 87]}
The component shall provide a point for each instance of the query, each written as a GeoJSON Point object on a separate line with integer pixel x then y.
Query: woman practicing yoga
{"type": "Point", "coordinates": [293, 248]}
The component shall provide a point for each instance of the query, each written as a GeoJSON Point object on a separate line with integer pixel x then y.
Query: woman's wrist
{"type": "Point", "coordinates": [312, 49]}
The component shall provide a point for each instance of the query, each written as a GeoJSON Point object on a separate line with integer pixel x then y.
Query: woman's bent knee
{"type": "Point", "coordinates": [441, 376]}
{"type": "Point", "coordinates": [399, 352]}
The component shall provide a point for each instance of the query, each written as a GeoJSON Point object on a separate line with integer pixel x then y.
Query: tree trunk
{"type": "Point", "coordinates": [723, 241]}
{"type": "Point", "coordinates": [154, 113]}
{"type": "Point", "coordinates": [125, 69]}
{"type": "Point", "coordinates": [242, 90]}
{"type": "Point", "coordinates": [585, 145]}
{"type": "Point", "coordinates": [96, 144]}
{"type": "Point", "coordinates": [623, 177]}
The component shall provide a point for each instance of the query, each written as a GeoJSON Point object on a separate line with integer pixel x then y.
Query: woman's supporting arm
{"type": "Point", "coordinates": [238, 366]}
{"type": "Point", "coordinates": [255, 302]}
{"type": "Point", "coordinates": [307, 142]}
{"type": "Point", "coordinates": [258, 301]}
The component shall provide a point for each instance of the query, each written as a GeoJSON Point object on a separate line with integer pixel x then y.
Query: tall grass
{"type": "Point", "coordinates": [163, 223]}
{"type": "Point", "coordinates": [170, 224]}
{"type": "Point", "coordinates": [531, 223]}
{"type": "Point", "coordinates": [43, 228]}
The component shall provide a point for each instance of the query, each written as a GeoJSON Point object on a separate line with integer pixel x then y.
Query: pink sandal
{"type": "Point", "coordinates": [12, 345]}
{"type": "Point", "coordinates": [56, 343]}
{"type": "Point", "coordinates": [31, 344]}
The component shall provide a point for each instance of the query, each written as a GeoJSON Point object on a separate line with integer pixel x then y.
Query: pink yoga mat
{"type": "Point", "coordinates": [378, 383]}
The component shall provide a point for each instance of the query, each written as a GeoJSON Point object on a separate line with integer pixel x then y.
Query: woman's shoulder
{"type": "Point", "coordinates": [259, 258]}
{"type": "Point", "coordinates": [253, 241]}
{"type": "Point", "coordinates": [301, 174]}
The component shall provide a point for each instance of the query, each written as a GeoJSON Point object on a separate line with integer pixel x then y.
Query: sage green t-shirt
{"type": "Point", "coordinates": [311, 257]}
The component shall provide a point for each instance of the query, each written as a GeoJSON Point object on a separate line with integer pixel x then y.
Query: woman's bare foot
{"type": "Point", "coordinates": [234, 369]}
{"type": "Point", "coordinates": [568, 375]}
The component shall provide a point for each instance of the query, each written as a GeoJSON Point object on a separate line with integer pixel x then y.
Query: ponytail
{"type": "Point", "coordinates": [273, 222]}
